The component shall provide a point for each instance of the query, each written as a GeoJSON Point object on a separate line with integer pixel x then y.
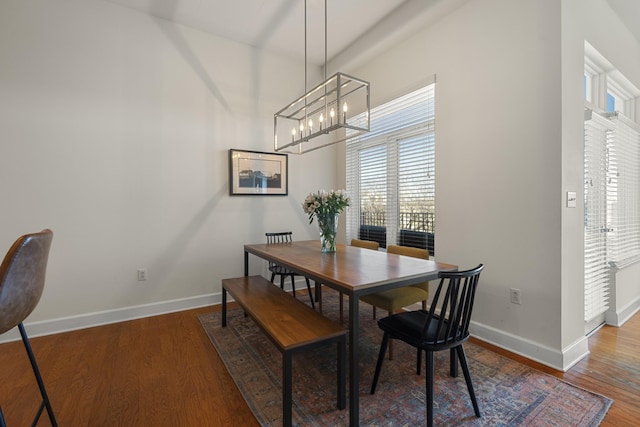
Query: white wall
{"type": "Point", "coordinates": [497, 65]}
{"type": "Point", "coordinates": [509, 146]}
{"type": "Point", "coordinates": [114, 131]}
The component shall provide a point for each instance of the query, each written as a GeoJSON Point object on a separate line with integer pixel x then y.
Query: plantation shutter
{"type": "Point", "coordinates": [597, 141]}
{"type": "Point", "coordinates": [391, 171]}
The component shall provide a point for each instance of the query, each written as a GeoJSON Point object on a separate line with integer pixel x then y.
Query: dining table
{"type": "Point", "coordinates": [353, 271]}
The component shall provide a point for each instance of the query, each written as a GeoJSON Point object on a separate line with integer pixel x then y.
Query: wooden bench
{"type": "Point", "coordinates": [291, 325]}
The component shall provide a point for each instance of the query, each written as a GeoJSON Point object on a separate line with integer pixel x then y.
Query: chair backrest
{"type": "Point", "coordinates": [450, 314]}
{"type": "Point", "coordinates": [412, 252]}
{"type": "Point", "coordinates": [282, 237]}
{"type": "Point", "coordinates": [367, 244]}
{"type": "Point", "coordinates": [408, 251]}
{"type": "Point", "coordinates": [22, 275]}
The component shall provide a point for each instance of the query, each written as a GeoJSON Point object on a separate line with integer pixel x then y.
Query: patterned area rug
{"type": "Point", "coordinates": [509, 393]}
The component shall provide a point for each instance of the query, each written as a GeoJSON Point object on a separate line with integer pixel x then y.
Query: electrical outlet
{"type": "Point", "coordinates": [516, 297]}
{"type": "Point", "coordinates": [142, 274]}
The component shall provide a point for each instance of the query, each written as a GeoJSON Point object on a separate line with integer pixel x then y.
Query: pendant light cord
{"type": "Point", "coordinates": [305, 46]}
{"type": "Point", "coordinates": [325, 40]}
{"type": "Point", "coordinates": [305, 43]}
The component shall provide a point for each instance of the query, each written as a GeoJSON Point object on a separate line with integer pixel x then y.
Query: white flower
{"type": "Point", "coordinates": [325, 203]}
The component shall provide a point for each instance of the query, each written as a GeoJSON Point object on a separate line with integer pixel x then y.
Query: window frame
{"type": "Point", "coordinates": [391, 140]}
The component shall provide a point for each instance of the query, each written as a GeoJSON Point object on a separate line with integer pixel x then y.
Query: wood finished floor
{"type": "Point", "coordinates": [163, 371]}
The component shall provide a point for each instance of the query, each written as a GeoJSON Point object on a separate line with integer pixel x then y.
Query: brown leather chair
{"type": "Point", "coordinates": [395, 299]}
{"type": "Point", "coordinates": [22, 275]}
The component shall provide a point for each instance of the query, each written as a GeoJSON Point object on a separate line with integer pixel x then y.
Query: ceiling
{"type": "Point", "coordinates": [629, 13]}
{"type": "Point", "coordinates": [279, 25]}
{"type": "Point", "coordinates": [354, 26]}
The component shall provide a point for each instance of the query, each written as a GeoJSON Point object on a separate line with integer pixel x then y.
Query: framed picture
{"type": "Point", "coordinates": [255, 173]}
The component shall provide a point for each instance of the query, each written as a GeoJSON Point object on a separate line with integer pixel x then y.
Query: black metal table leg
{"type": "Point", "coordinates": [318, 290]}
{"type": "Point", "coordinates": [354, 381]}
{"type": "Point", "coordinates": [342, 372]}
{"type": "Point", "coordinates": [224, 306]}
{"type": "Point", "coordinates": [287, 400]}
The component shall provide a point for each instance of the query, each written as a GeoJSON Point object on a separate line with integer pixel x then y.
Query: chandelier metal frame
{"type": "Point", "coordinates": [315, 119]}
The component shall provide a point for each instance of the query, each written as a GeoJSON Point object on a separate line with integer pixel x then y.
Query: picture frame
{"type": "Point", "coordinates": [257, 173]}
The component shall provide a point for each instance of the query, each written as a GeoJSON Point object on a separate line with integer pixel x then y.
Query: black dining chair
{"type": "Point", "coordinates": [283, 272]}
{"type": "Point", "coordinates": [445, 326]}
{"type": "Point", "coordinates": [22, 275]}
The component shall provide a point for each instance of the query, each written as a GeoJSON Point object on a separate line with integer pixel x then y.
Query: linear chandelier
{"type": "Point", "coordinates": [322, 115]}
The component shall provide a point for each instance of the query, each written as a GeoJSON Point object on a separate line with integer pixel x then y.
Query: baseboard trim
{"type": "Point", "coordinates": [620, 317]}
{"type": "Point", "coordinates": [560, 360]}
{"type": "Point", "coordinates": [532, 350]}
{"type": "Point", "coordinates": [88, 320]}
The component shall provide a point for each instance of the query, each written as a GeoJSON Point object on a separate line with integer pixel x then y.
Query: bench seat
{"type": "Point", "coordinates": [291, 325]}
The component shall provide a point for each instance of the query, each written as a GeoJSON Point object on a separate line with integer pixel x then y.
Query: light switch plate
{"type": "Point", "coordinates": [571, 199]}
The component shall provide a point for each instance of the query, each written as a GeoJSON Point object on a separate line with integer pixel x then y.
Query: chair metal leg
{"type": "Point", "coordinates": [419, 362]}
{"type": "Point", "coordinates": [429, 381]}
{"type": "Point", "coordinates": [36, 372]}
{"type": "Point", "coordinates": [383, 350]}
{"type": "Point", "coordinates": [282, 282]}
{"type": "Point", "coordinates": [293, 285]}
{"type": "Point", "coordinates": [310, 293]}
{"type": "Point", "coordinates": [390, 341]}
{"type": "Point", "coordinates": [467, 377]}
{"type": "Point", "coordinates": [453, 362]}
{"type": "Point", "coordinates": [273, 276]}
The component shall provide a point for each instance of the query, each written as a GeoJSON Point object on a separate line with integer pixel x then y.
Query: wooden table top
{"type": "Point", "coordinates": [352, 270]}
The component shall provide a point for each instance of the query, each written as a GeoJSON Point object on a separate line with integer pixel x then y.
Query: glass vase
{"type": "Point", "coordinates": [328, 225]}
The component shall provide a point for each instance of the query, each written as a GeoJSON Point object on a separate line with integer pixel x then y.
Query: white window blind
{"type": "Point", "coordinates": [624, 184]}
{"type": "Point", "coordinates": [597, 141]}
{"type": "Point", "coordinates": [612, 203]}
{"type": "Point", "coordinates": [391, 173]}
{"type": "Point", "coordinates": [372, 194]}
